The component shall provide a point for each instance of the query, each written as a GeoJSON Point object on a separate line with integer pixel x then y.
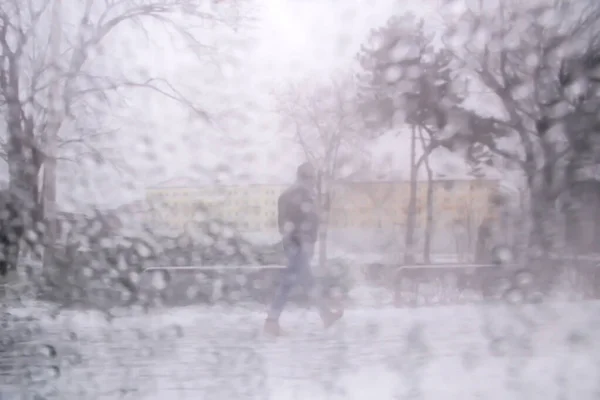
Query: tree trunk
{"type": "Point", "coordinates": [429, 219]}
{"type": "Point", "coordinates": [54, 123]}
{"type": "Point", "coordinates": [323, 232]}
{"type": "Point", "coordinates": [411, 214]}
{"type": "Point", "coordinates": [323, 211]}
{"type": "Point", "coordinates": [24, 160]}
{"type": "Point", "coordinates": [543, 220]}
{"type": "Point", "coordinates": [545, 185]}
{"type": "Point", "coordinates": [483, 243]}
{"type": "Point", "coordinates": [23, 193]}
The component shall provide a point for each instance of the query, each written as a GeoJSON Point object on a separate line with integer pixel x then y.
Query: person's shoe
{"type": "Point", "coordinates": [272, 328]}
{"type": "Point", "coordinates": [331, 317]}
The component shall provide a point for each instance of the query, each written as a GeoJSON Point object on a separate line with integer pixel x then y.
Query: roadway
{"type": "Point", "coordinates": [469, 352]}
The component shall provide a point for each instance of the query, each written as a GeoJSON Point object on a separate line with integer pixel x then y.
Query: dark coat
{"type": "Point", "coordinates": [298, 219]}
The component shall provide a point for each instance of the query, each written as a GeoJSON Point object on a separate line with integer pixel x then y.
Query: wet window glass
{"type": "Point", "coordinates": [289, 199]}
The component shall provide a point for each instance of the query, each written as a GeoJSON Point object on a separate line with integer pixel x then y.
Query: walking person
{"type": "Point", "coordinates": [298, 222]}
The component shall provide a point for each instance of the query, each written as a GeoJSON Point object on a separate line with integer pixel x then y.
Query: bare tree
{"type": "Point", "coordinates": [323, 121]}
{"type": "Point", "coordinates": [46, 98]}
{"type": "Point", "coordinates": [409, 83]}
{"type": "Point", "coordinates": [513, 53]}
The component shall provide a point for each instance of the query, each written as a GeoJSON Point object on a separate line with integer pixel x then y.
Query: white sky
{"type": "Point", "coordinates": [290, 40]}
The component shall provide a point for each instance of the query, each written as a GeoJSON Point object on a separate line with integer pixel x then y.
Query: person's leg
{"type": "Point", "coordinates": [288, 279]}
{"type": "Point", "coordinates": [306, 278]}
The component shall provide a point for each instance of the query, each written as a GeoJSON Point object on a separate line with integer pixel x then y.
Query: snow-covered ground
{"type": "Point", "coordinates": [467, 352]}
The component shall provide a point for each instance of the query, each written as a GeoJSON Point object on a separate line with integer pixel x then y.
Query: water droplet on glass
{"type": "Point", "coordinates": [125, 294]}
{"type": "Point", "coordinates": [503, 284]}
{"type": "Point", "coordinates": [535, 297]}
{"type": "Point", "coordinates": [235, 295]}
{"type": "Point", "coordinates": [524, 278]}
{"type": "Point", "coordinates": [54, 372]}
{"type": "Point", "coordinates": [499, 347]}
{"type": "Point", "coordinates": [135, 277]}
{"type": "Point", "coordinates": [71, 359]}
{"type": "Point", "coordinates": [48, 351]}
{"type": "Point", "coordinates": [160, 280]}
{"type": "Point", "coordinates": [7, 341]}
{"type": "Point", "coordinates": [192, 292]}
{"type": "Point", "coordinates": [241, 279]}
{"type": "Point", "coordinates": [146, 352]}
{"type": "Point", "coordinates": [514, 296]}
{"type": "Point", "coordinates": [259, 283]}
{"type": "Point", "coordinates": [200, 277]}
{"type": "Point", "coordinates": [172, 332]}
{"type": "Point", "coordinates": [502, 255]}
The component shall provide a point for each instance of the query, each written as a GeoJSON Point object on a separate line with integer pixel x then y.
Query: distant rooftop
{"type": "Point", "coordinates": [134, 207]}
{"type": "Point", "coordinates": [186, 183]}
{"type": "Point", "coordinates": [181, 182]}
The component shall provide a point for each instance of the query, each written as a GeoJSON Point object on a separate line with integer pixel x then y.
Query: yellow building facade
{"type": "Point", "coordinates": [178, 202]}
{"type": "Point", "coordinates": [354, 205]}
{"type": "Point", "coordinates": [385, 204]}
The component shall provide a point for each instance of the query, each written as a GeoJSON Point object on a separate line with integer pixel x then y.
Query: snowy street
{"type": "Point", "coordinates": [467, 352]}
